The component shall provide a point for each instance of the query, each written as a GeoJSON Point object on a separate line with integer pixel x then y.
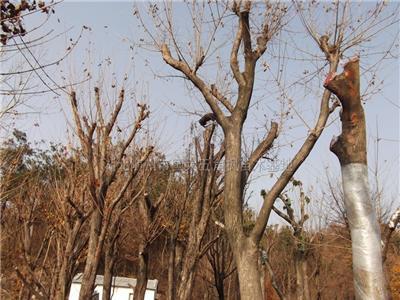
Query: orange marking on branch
{"type": "Point", "coordinates": [354, 118]}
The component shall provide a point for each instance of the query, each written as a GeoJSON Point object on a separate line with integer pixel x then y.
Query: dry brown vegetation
{"type": "Point", "coordinates": [109, 202]}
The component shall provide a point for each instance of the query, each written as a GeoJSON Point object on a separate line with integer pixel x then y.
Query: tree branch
{"type": "Point", "coordinates": [263, 147]}
{"type": "Point", "coordinates": [234, 55]}
{"type": "Point", "coordinates": [282, 215]}
{"type": "Point", "coordinates": [199, 83]}
{"type": "Point", "coordinates": [294, 164]}
{"type": "Point", "coordinates": [393, 222]}
{"type": "Point", "coordinates": [225, 102]}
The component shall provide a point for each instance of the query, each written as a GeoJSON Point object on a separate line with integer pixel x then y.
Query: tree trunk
{"type": "Point", "coordinates": [304, 268]}
{"type": "Point", "coordinates": [350, 148]}
{"type": "Point", "coordinates": [68, 260]}
{"type": "Point", "coordinates": [189, 267]}
{"type": "Point", "coordinates": [302, 287]}
{"type": "Point", "coordinates": [249, 273]}
{"type": "Point", "coordinates": [141, 283]}
{"type": "Point", "coordinates": [219, 284]}
{"type": "Point", "coordinates": [63, 286]}
{"type": "Point", "coordinates": [244, 249]}
{"type": "Point", "coordinates": [110, 256]}
{"type": "Point", "coordinates": [91, 265]}
{"type": "Point", "coordinates": [186, 286]}
{"type": "Point", "coordinates": [109, 262]}
{"type": "Point", "coordinates": [171, 269]}
{"type": "Point", "coordinates": [190, 260]}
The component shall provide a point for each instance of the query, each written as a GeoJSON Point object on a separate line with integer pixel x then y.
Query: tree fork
{"type": "Point", "coordinates": [350, 148]}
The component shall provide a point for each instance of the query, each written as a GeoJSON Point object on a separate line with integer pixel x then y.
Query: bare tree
{"type": "Point", "coordinates": [230, 110]}
{"type": "Point", "coordinates": [124, 215]}
{"type": "Point", "coordinates": [195, 192]}
{"type": "Point", "coordinates": [205, 196]}
{"type": "Point", "coordinates": [393, 223]}
{"type": "Point", "coordinates": [69, 214]}
{"type": "Point", "coordinates": [302, 240]}
{"type": "Point", "coordinates": [150, 212]}
{"type": "Point", "coordinates": [245, 246]}
{"type": "Point", "coordinates": [103, 163]}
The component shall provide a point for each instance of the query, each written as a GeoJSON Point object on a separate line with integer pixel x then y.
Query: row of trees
{"type": "Point", "coordinates": [109, 197]}
{"type": "Point", "coordinates": [167, 226]}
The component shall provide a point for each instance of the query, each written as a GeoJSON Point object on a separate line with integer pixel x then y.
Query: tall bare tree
{"type": "Point", "coordinates": [230, 109]}
{"type": "Point", "coordinates": [68, 217]}
{"type": "Point", "coordinates": [196, 190]}
{"type": "Point", "coordinates": [103, 162]}
{"type": "Point", "coordinates": [206, 193]}
{"type": "Point", "coordinates": [245, 245]}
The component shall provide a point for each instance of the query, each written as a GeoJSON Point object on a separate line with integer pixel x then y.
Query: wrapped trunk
{"type": "Point", "coordinates": [350, 148]}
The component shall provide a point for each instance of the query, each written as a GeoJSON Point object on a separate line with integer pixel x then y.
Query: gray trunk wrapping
{"type": "Point", "coordinates": [365, 233]}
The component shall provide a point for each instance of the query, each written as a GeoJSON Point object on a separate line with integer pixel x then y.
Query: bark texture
{"type": "Point", "coordinates": [245, 245]}
{"type": "Point", "coordinates": [142, 275]}
{"type": "Point", "coordinates": [69, 256]}
{"type": "Point", "coordinates": [204, 201]}
{"type": "Point", "coordinates": [171, 269]}
{"type": "Point", "coordinates": [92, 260]}
{"type": "Point", "coordinates": [104, 162]}
{"type": "Point", "coordinates": [350, 148]}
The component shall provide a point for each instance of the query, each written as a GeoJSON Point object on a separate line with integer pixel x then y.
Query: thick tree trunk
{"type": "Point", "coordinates": [350, 148]}
{"type": "Point", "coordinates": [249, 273]}
{"type": "Point", "coordinates": [245, 250]}
{"type": "Point", "coordinates": [142, 275]}
{"type": "Point", "coordinates": [91, 265]}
